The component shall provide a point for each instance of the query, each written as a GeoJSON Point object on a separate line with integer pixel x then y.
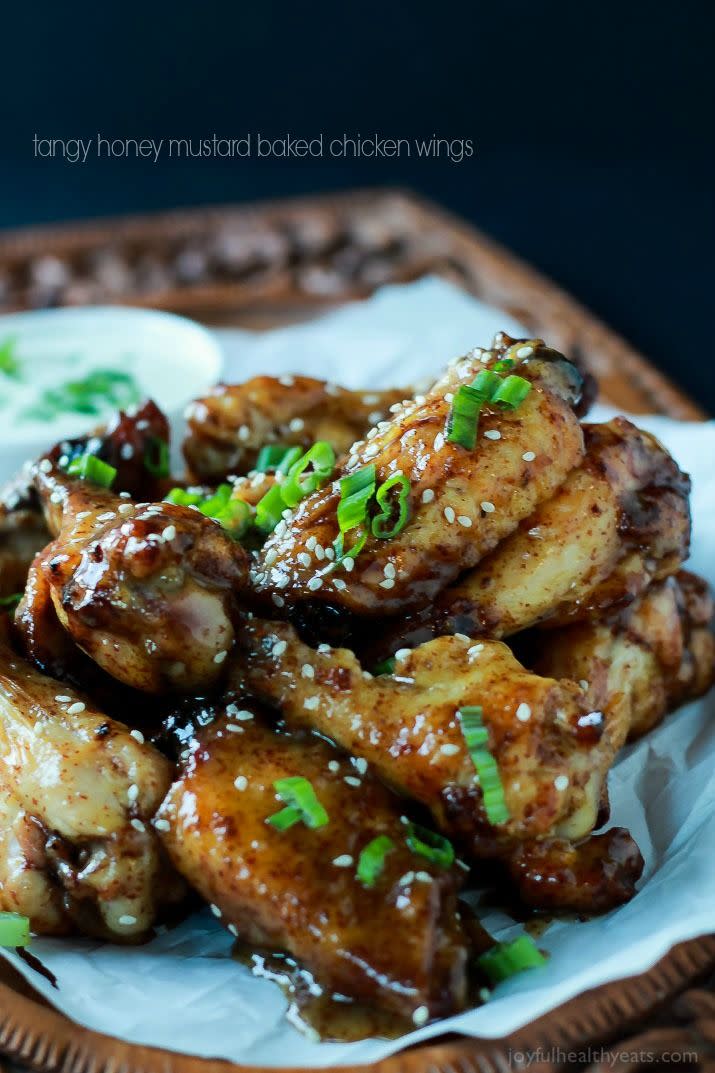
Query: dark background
{"type": "Point", "coordinates": [593, 127]}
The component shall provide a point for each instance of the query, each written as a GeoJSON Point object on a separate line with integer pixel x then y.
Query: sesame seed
{"type": "Point", "coordinates": [279, 648]}
{"type": "Point", "coordinates": [464, 520]}
{"type": "Point", "coordinates": [75, 709]}
{"type": "Point", "coordinates": [124, 495]}
{"type": "Point", "coordinates": [244, 433]}
{"type": "Point", "coordinates": [136, 734]}
{"type": "Point", "coordinates": [303, 558]}
{"type": "Point", "coordinates": [528, 456]}
{"type": "Point", "coordinates": [333, 765]}
{"type": "Point", "coordinates": [339, 583]}
{"type": "Point", "coordinates": [361, 764]}
{"type": "Point", "coordinates": [162, 825]}
{"type": "Point", "coordinates": [561, 782]}
{"type": "Point", "coordinates": [241, 782]}
{"type": "Point", "coordinates": [492, 434]}
{"type": "Point", "coordinates": [449, 514]}
{"type": "Point", "coordinates": [423, 877]}
{"type": "Point", "coordinates": [311, 542]}
{"type": "Point", "coordinates": [137, 825]}
{"type": "Point", "coordinates": [311, 703]}
{"type": "Point", "coordinates": [315, 583]}
{"type": "Point", "coordinates": [428, 495]}
{"type": "Point", "coordinates": [233, 728]}
{"type": "Point", "coordinates": [449, 749]}
{"type": "Point", "coordinates": [329, 553]}
{"type": "Point", "coordinates": [352, 781]}
{"type": "Point", "coordinates": [474, 650]}
{"type": "Point", "coordinates": [132, 793]}
{"type": "Point", "coordinates": [82, 515]}
{"type": "Point", "coordinates": [523, 713]}
{"type": "Point", "coordinates": [286, 381]}
{"type": "Point", "coordinates": [271, 556]}
{"type": "Point", "coordinates": [220, 656]}
{"type": "Point", "coordinates": [487, 507]}
{"type": "Point", "coordinates": [278, 600]}
{"type": "Point", "coordinates": [403, 653]}
{"type": "Point", "coordinates": [125, 508]}
{"type": "Point", "coordinates": [406, 879]}
{"type": "Point", "coordinates": [421, 1015]}
{"type": "Point", "coordinates": [323, 648]}
{"type": "Point", "coordinates": [127, 920]}
{"type": "Point", "coordinates": [319, 551]}
{"type": "Point", "coordinates": [169, 533]}
{"type": "Point", "coordinates": [439, 441]}
{"type": "Point", "coordinates": [525, 351]}
{"type": "Point", "coordinates": [107, 516]}
{"type": "Point", "coordinates": [343, 861]}
{"type": "Point", "coordinates": [63, 698]}
{"type": "Point", "coordinates": [297, 424]}
{"type": "Point", "coordinates": [56, 497]}
{"type": "Point", "coordinates": [215, 910]}
{"type": "Point", "coordinates": [307, 671]}
{"type": "Point", "coordinates": [349, 563]}
{"type": "Point", "coordinates": [388, 583]}
{"type": "Point", "coordinates": [233, 929]}
{"type": "Point", "coordinates": [389, 570]}
{"type": "Point", "coordinates": [461, 637]}
{"type": "Point", "coordinates": [583, 683]}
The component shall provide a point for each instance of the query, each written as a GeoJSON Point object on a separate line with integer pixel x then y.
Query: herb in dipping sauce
{"type": "Point", "coordinates": [100, 390]}
{"type": "Point", "coordinates": [9, 362]}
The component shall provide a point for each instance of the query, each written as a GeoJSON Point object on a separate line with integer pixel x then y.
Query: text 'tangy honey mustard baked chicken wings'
{"type": "Point", "coordinates": [546, 740]}
{"type": "Point", "coordinates": [145, 589]}
{"type": "Point", "coordinates": [228, 427]}
{"type": "Point", "coordinates": [619, 521]}
{"type": "Point", "coordinates": [77, 792]}
{"type": "Point", "coordinates": [642, 662]}
{"type": "Point", "coordinates": [461, 502]}
{"type": "Point", "coordinates": [339, 889]}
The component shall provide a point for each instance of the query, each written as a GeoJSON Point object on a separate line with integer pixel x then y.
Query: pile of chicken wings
{"type": "Point", "coordinates": [329, 730]}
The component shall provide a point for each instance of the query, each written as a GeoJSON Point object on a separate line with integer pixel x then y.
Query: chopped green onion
{"type": "Point", "coordinates": [287, 817]}
{"type": "Point", "coordinates": [156, 457]}
{"type": "Point", "coordinates": [508, 959]}
{"type": "Point", "coordinates": [183, 498]}
{"type": "Point", "coordinates": [463, 419]}
{"type": "Point", "coordinates": [214, 504]}
{"type": "Point", "coordinates": [298, 792]}
{"type": "Point", "coordinates": [97, 391]}
{"type": "Point", "coordinates": [503, 365]}
{"type": "Point", "coordinates": [269, 509]}
{"type": "Point", "coordinates": [476, 737]}
{"type": "Point", "coordinates": [271, 455]}
{"type": "Point", "coordinates": [9, 603]}
{"type": "Point", "coordinates": [371, 862]}
{"type": "Point", "coordinates": [91, 468]}
{"type": "Point", "coordinates": [380, 528]}
{"type": "Point", "coordinates": [235, 518]}
{"type": "Point", "coordinates": [353, 551]}
{"type": "Point", "coordinates": [321, 457]}
{"type": "Point", "coordinates": [387, 666]}
{"type": "Point", "coordinates": [356, 491]}
{"type": "Point", "coordinates": [289, 459]}
{"type": "Point", "coordinates": [436, 848]}
{"type": "Point", "coordinates": [511, 392]}
{"type": "Point", "coordinates": [9, 363]}
{"type": "Point", "coordinates": [485, 383]}
{"type": "Point", "coordinates": [14, 930]}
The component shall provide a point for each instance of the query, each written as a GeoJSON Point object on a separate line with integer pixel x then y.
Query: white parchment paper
{"type": "Point", "coordinates": [183, 991]}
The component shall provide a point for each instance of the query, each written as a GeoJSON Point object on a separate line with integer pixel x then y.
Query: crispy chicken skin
{"type": "Point", "coordinates": [22, 534]}
{"type": "Point", "coordinates": [544, 736]}
{"type": "Point", "coordinates": [397, 944]}
{"type": "Point", "coordinates": [620, 521]}
{"type": "Point", "coordinates": [145, 589]}
{"type": "Point", "coordinates": [77, 792]}
{"type": "Point", "coordinates": [645, 661]}
{"type": "Point", "coordinates": [229, 426]}
{"type": "Point", "coordinates": [462, 502]}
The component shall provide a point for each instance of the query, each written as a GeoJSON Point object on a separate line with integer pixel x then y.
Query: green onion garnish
{"type": "Point", "coordinates": [298, 793]}
{"type": "Point", "coordinates": [235, 518]}
{"type": "Point", "coordinates": [511, 392]}
{"type": "Point", "coordinates": [356, 491]}
{"type": "Point", "coordinates": [91, 468]}
{"type": "Point", "coordinates": [9, 603]}
{"type": "Point", "coordinates": [476, 737]}
{"type": "Point", "coordinates": [387, 666]}
{"type": "Point", "coordinates": [503, 365]}
{"type": "Point", "coordinates": [233, 515]}
{"type": "Point", "coordinates": [98, 390]}
{"type": "Point", "coordinates": [436, 848]}
{"type": "Point", "coordinates": [508, 959]}
{"type": "Point", "coordinates": [371, 861]}
{"type": "Point", "coordinates": [271, 455]}
{"type": "Point", "coordinates": [485, 383]}
{"type": "Point", "coordinates": [319, 462]}
{"type": "Point", "coordinates": [380, 528]}
{"type": "Point", "coordinates": [269, 509]}
{"type": "Point", "coordinates": [183, 498]}
{"type": "Point", "coordinates": [463, 419]}
{"type": "Point", "coordinates": [286, 818]}
{"type": "Point", "coordinates": [9, 363]}
{"type": "Point", "coordinates": [289, 459]}
{"type": "Point", "coordinates": [156, 457]}
{"type": "Point", "coordinates": [14, 930]}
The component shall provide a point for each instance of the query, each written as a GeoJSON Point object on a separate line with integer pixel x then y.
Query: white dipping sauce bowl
{"type": "Point", "coordinates": [172, 360]}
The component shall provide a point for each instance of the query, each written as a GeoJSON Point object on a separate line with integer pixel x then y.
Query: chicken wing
{"type": "Point", "coordinates": [228, 427]}
{"type": "Point", "coordinates": [461, 503]}
{"type": "Point", "coordinates": [545, 738]}
{"type": "Point", "coordinates": [77, 791]}
{"type": "Point", "coordinates": [620, 521]}
{"type": "Point", "coordinates": [395, 941]}
{"type": "Point", "coordinates": [22, 534]}
{"type": "Point", "coordinates": [644, 661]}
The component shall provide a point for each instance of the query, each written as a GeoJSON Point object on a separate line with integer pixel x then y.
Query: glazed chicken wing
{"type": "Point", "coordinates": [620, 521]}
{"type": "Point", "coordinates": [145, 589]}
{"type": "Point", "coordinates": [395, 941]}
{"type": "Point", "coordinates": [643, 662]}
{"type": "Point", "coordinates": [228, 427]}
{"type": "Point", "coordinates": [461, 502]}
{"type": "Point", "coordinates": [77, 792]}
{"type": "Point", "coordinates": [546, 739]}
{"type": "Point", "coordinates": [22, 534]}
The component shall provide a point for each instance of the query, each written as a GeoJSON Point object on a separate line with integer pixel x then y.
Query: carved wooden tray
{"type": "Point", "coordinates": [264, 265]}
